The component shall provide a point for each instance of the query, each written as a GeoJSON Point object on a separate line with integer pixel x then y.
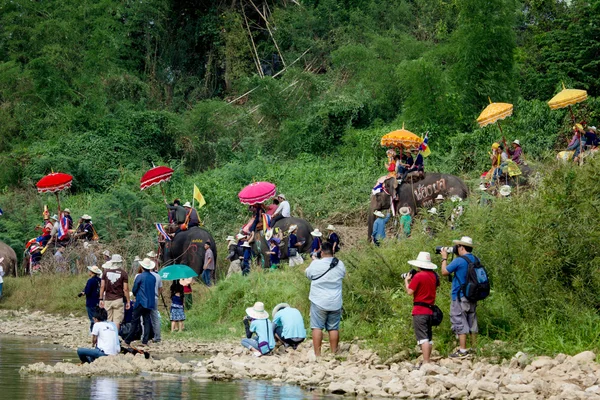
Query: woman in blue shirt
{"type": "Point", "coordinates": [259, 330]}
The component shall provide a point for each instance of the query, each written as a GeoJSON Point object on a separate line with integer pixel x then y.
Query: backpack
{"type": "Point", "coordinates": [477, 285]}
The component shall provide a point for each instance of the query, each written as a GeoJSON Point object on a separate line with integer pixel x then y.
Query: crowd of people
{"type": "Point", "coordinates": [583, 140]}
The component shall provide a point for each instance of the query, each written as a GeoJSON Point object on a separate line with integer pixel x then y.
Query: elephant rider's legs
{"type": "Point", "coordinates": [275, 219]}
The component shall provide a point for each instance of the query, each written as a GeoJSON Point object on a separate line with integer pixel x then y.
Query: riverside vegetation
{"type": "Point", "coordinates": [103, 90]}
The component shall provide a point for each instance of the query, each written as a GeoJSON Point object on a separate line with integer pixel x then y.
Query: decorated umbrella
{"type": "Point", "coordinates": [155, 176]}
{"type": "Point", "coordinates": [257, 192]}
{"type": "Point", "coordinates": [401, 138]}
{"type": "Point", "coordinates": [54, 183]}
{"type": "Point", "coordinates": [494, 112]}
{"type": "Point", "coordinates": [176, 271]}
{"type": "Point", "coordinates": [566, 98]}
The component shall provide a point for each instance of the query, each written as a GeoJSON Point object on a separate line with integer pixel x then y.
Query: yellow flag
{"type": "Point", "coordinates": [198, 196]}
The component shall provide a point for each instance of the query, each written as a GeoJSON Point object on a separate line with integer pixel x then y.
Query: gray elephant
{"type": "Point", "coordinates": [10, 259]}
{"type": "Point", "coordinates": [415, 195]}
{"type": "Point", "coordinates": [187, 247]}
{"type": "Point", "coordinates": [260, 246]}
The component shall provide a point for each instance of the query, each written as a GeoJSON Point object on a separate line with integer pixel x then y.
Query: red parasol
{"type": "Point", "coordinates": [257, 192]}
{"type": "Point", "coordinates": [54, 183]}
{"type": "Point", "coordinates": [155, 176]}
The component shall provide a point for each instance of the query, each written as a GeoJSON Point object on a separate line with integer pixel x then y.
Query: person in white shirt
{"type": "Point", "coordinates": [105, 339]}
{"type": "Point", "coordinates": [283, 211]}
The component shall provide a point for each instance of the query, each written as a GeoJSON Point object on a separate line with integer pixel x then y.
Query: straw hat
{"type": "Point", "coordinates": [246, 244]}
{"type": "Point", "coordinates": [592, 128]}
{"type": "Point", "coordinates": [229, 238]}
{"type": "Point", "coordinates": [404, 210]}
{"type": "Point", "coordinates": [187, 204]}
{"type": "Point", "coordinates": [517, 142]}
{"type": "Point", "coordinates": [439, 197]}
{"type": "Point", "coordinates": [67, 211]}
{"type": "Point", "coordinates": [505, 190]}
{"type": "Point", "coordinates": [281, 196]}
{"type": "Point", "coordinates": [316, 233]}
{"type": "Point", "coordinates": [432, 210]}
{"type": "Point", "coordinates": [292, 228]}
{"type": "Point", "coordinates": [257, 311]}
{"type": "Point", "coordinates": [379, 214]}
{"type": "Point", "coordinates": [95, 269]}
{"type": "Point", "coordinates": [278, 307]}
{"type": "Point", "coordinates": [330, 227]}
{"type": "Point", "coordinates": [107, 265]}
{"type": "Point", "coordinates": [85, 216]}
{"type": "Point", "coordinates": [152, 254]}
{"type": "Point", "coordinates": [147, 263]}
{"type": "Point", "coordinates": [465, 241]}
{"type": "Point", "coordinates": [423, 261]}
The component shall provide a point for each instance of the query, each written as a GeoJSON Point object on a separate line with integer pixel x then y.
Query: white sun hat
{"type": "Point", "coordinates": [316, 233]}
{"type": "Point", "coordinates": [464, 241]}
{"type": "Point", "coordinates": [279, 307]}
{"type": "Point", "coordinates": [152, 254]}
{"type": "Point", "coordinates": [187, 204]}
{"type": "Point", "coordinates": [439, 197]}
{"type": "Point", "coordinates": [404, 210]}
{"type": "Point", "coordinates": [432, 210]}
{"type": "Point", "coordinates": [240, 236]}
{"type": "Point", "coordinates": [107, 265]}
{"type": "Point", "coordinates": [292, 228]}
{"type": "Point", "coordinates": [505, 190]}
{"type": "Point", "coordinates": [330, 227]}
{"type": "Point", "coordinates": [147, 263]}
{"type": "Point", "coordinates": [95, 269]}
{"type": "Point", "coordinates": [257, 311]}
{"type": "Point", "coordinates": [229, 238]}
{"type": "Point", "coordinates": [482, 187]}
{"type": "Point", "coordinates": [379, 214]}
{"type": "Point", "coordinates": [246, 244]}
{"type": "Point", "coordinates": [517, 142]}
{"type": "Point", "coordinates": [116, 258]}
{"type": "Point", "coordinates": [423, 261]}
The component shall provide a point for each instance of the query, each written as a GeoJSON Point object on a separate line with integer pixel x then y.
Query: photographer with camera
{"type": "Point", "coordinates": [422, 285]}
{"type": "Point", "coordinates": [463, 315]}
{"type": "Point", "coordinates": [326, 275]}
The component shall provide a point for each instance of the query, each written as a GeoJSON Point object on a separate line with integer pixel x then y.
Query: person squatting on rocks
{"type": "Point", "coordinates": [144, 287]}
{"type": "Point", "coordinates": [463, 316]}
{"type": "Point", "coordinates": [92, 292]}
{"type": "Point", "coordinates": [326, 275]}
{"type": "Point", "coordinates": [289, 325]}
{"type": "Point", "coordinates": [257, 323]}
{"type": "Point", "coordinates": [422, 285]}
{"type": "Point", "coordinates": [113, 289]}
{"type": "Point", "coordinates": [105, 339]}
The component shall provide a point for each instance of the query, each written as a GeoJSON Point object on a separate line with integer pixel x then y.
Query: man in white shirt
{"type": "Point", "coordinates": [105, 339]}
{"type": "Point", "coordinates": [283, 211]}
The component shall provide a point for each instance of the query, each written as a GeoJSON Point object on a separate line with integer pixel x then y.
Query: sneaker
{"type": "Point", "coordinates": [460, 354]}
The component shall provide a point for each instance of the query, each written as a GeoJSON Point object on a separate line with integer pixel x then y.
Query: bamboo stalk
{"type": "Point", "coordinates": [263, 16]}
{"type": "Point", "coordinates": [257, 59]}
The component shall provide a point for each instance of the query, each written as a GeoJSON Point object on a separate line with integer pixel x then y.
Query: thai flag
{"type": "Point", "coordinates": [266, 221]}
{"type": "Point", "coordinates": [63, 227]}
{"type": "Point", "coordinates": [161, 230]}
{"type": "Point", "coordinates": [424, 147]}
{"type": "Point", "coordinates": [1, 212]}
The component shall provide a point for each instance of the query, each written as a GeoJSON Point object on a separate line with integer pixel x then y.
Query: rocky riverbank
{"type": "Point", "coordinates": [354, 371]}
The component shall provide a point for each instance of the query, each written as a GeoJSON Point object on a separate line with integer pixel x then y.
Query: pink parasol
{"type": "Point", "coordinates": [257, 192]}
{"type": "Point", "coordinates": [155, 176]}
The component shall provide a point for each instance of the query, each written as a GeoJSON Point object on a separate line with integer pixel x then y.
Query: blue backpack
{"type": "Point", "coordinates": [477, 285]}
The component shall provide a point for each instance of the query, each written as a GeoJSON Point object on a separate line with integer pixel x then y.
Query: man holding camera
{"type": "Point", "coordinates": [422, 285]}
{"type": "Point", "coordinates": [326, 275]}
{"type": "Point", "coordinates": [463, 315]}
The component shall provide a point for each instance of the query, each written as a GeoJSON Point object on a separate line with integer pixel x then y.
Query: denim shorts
{"type": "Point", "coordinates": [321, 319]}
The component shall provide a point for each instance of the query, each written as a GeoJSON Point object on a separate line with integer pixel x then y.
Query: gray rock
{"type": "Point", "coordinates": [348, 386]}
{"type": "Point", "coordinates": [517, 388]}
{"type": "Point", "coordinates": [584, 357]}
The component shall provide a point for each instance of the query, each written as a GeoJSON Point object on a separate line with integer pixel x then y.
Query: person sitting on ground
{"type": "Point", "coordinates": [85, 230]}
{"type": "Point", "coordinates": [379, 227]}
{"type": "Point", "coordinates": [257, 324]}
{"type": "Point", "coordinates": [315, 247]}
{"type": "Point", "coordinates": [247, 258]}
{"type": "Point", "coordinates": [591, 138]}
{"type": "Point", "coordinates": [326, 276]}
{"type": "Point", "coordinates": [333, 238]}
{"type": "Point", "coordinates": [177, 213]}
{"type": "Point", "coordinates": [289, 325]}
{"type": "Point", "coordinates": [422, 285]}
{"type": "Point", "coordinates": [274, 253]}
{"type": "Point", "coordinates": [144, 288]}
{"type": "Point", "coordinates": [283, 210]}
{"type": "Point", "coordinates": [177, 312]}
{"type": "Point", "coordinates": [294, 245]}
{"type": "Point", "coordinates": [105, 339]}
{"type": "Point", "coordinates": [405, 221]}
{"type": "Point", "coordinates": [92, 292]}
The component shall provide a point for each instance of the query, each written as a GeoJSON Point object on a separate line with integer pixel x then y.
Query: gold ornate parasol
{"type": "Point", "coordinates": [401, 138]}
{"type": "Point", "coordinates": [566, 98]}
{"type": "Point", "coordinates": [494, 112]}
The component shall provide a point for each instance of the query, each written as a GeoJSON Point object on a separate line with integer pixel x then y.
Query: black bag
{"type": "Point", "coordinates": [477, 286]}
{"type": "Point", "coordinates": [293, 251]}
{"type": "Point", "coordinates": [438, 314]}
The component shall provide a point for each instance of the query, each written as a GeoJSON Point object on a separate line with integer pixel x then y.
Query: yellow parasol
{"type": "Point", "coordinates": [494, 112]}
{"type": "Point", "coordinates": [566, 98]}
{"type": "Point", "coordinates": [401, 138]}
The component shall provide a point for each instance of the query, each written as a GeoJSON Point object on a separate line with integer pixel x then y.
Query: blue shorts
{"type": "Point", "coordinates": [321, 319]}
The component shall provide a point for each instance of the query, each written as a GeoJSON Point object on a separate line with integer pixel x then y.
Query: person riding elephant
{"type": "Point", "coordinates": [187, 247]}
{"type": "Point", "coordinates": [416, 195]}
{"type": "Point", "coordinates": [10, 259]}
{"type": "Point", "coordinates": [303, 230]}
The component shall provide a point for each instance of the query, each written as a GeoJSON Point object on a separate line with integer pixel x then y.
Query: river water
{"type": "Point", "coordinates": [18, 351]}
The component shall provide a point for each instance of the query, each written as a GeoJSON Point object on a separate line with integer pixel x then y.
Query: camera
{"type": "Point", "coordinates": [449, 250]}
{"type": "Point", "coordinates": [410, 273]}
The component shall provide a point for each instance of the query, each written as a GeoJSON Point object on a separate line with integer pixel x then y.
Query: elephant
{"type": "Point", "coordinates": [415, 195]}
{"type": "Point", "coordinates": [187, 247]}
{"type": "Point", "coordinates": [10, 259]}
{"type": "Point", "coordinates": [260, 247]}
